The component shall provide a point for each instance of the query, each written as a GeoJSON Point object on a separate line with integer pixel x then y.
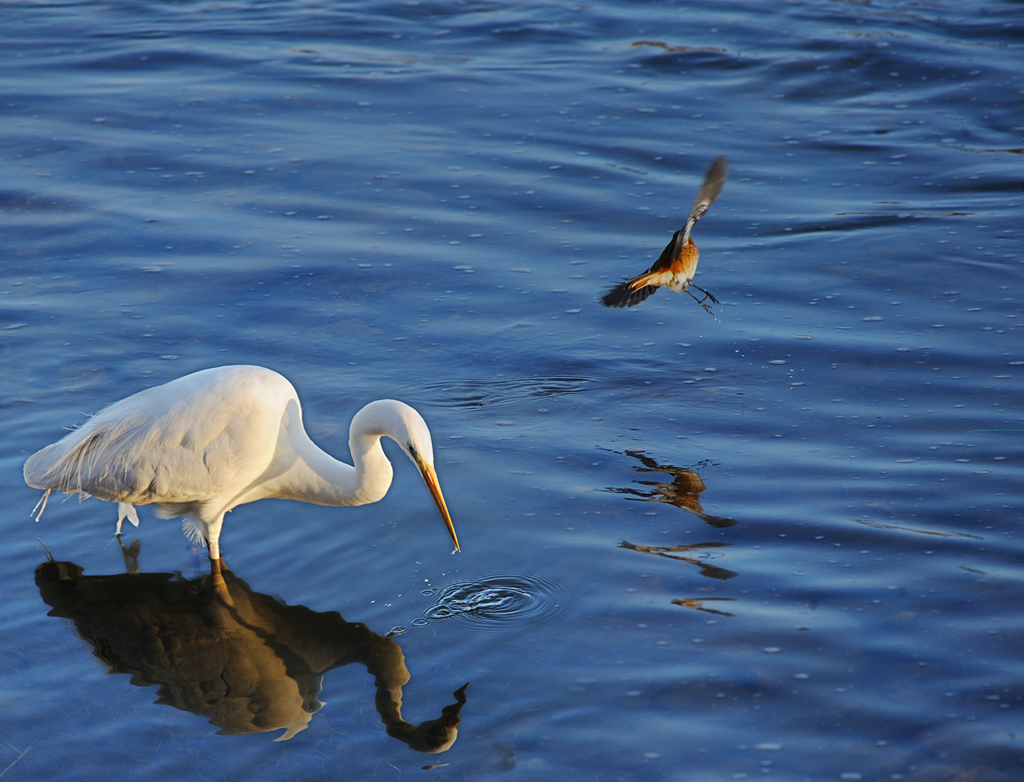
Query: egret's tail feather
{"type": "Point", "coordinates": [194, 531]}
{"type": "Point", "coordinates": [37, 511]}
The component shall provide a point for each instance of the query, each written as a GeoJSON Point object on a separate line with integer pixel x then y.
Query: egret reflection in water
{"type": "Point", "coordinates": [243, 660]}
{"type": "Point", "coordinates": [683, 490]}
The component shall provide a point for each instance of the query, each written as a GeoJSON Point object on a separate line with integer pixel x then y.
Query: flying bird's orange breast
{"type": "Point", "coordinates": [685, 264]}
{"type": "Point", "coordinates": [675, 274]}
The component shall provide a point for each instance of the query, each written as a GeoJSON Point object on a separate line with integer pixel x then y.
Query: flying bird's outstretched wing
{"type": "Point", "coordinates": [710, 189]}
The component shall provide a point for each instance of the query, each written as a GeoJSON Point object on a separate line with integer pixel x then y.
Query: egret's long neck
{"type": "Point", "coordinates": [309, 474]}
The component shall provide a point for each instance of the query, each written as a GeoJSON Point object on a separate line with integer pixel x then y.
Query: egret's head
{"type": "Point", "coordinates": [407, 428]}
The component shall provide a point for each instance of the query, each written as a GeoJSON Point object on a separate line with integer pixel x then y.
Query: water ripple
{"type": "Point", "coordinates": [497, 602]}
{"type": "Point", "coordinates": [485, 393]}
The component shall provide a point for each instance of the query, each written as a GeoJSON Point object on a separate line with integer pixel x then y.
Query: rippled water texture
{"type": "Point", "coordinates": [782, 541]}
{"type": "Point", "coordinates": [496, 602]}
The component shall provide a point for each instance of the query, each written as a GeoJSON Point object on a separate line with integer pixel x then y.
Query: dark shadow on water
{"type": "Point", "coordinates": [683, 490]}
{"type": "Point", "coordinates": [243, 660]}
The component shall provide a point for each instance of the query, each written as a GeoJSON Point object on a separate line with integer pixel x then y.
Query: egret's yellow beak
{"type": "Point", "coordinates": [430, 478]}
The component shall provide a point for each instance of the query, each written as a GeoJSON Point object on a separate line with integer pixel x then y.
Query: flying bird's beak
{"type": "Point", "coordinates": [430, 478]}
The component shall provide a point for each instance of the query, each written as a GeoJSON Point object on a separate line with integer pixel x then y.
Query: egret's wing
{"type": "Point", "coordinates": [90, 459]}
{"type": "Point", "coordinates": [127, 460]}
{"type": "Point", "coordinates": [158, 446]}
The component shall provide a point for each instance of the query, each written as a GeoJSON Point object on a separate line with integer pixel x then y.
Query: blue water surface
{"type": "Point", "coordinates": [782, 541]}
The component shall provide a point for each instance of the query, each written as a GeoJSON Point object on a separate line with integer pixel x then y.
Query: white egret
{"type": "Point", "coordinates": [205, 443]}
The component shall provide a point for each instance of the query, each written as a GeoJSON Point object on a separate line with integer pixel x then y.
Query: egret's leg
{"type": "Point", "coordinates": [213, 536]}
{"type": "Point", "coordinates": [125, 510]}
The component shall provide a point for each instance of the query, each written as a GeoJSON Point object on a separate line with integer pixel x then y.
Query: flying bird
{"type": "Point", "coordinates": [677, 263]}
{"type": "Point", "coordinates": [208, 442]}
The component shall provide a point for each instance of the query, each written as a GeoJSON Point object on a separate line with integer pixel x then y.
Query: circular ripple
{"type": "Point", "coordinates": [498, 602]}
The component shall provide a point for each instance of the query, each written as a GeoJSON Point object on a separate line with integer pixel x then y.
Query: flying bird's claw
{"type": "Point", "coordinates": [701, 302]}
{"type": "Point", "coordinates": [707, 294]}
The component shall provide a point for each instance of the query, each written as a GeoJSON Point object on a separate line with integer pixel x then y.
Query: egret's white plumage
{"type": "Point", "coordinates": [205, 443]}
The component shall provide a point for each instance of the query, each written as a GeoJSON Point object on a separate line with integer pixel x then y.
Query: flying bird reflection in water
{"type": "Point", "coordinates": [684, 491]}
{"type": "Point", "coordinates": [677, 552]}
{"type": "Point", "coordinates": [677, 263]}
{"type": "Point", "coordinates": [249, 664]}
{"type": "Point", "coordinates": [208, 442]}
{"type": "Point", "coordinates": [697, 603]}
